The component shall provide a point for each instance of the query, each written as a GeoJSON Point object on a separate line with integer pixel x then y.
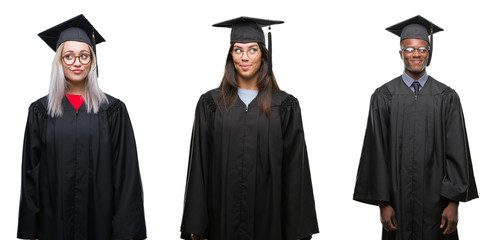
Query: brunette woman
{"type": "Point", "coordinates": [248, 174]}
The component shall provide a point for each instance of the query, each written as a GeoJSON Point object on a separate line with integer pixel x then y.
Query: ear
{"type": "Point", "coordinates": [401, 52]}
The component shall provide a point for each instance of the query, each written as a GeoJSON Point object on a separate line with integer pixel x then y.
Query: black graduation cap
{"type": "Point", "coordinates": [248, 29]}
{"type": "Point", "coordinates": [416, 27]}
{"type": "Point", "coordinates": [74, 29]}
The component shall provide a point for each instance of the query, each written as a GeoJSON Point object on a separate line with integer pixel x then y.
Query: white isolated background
{"type": "Point", "coordinates": [160, 56]}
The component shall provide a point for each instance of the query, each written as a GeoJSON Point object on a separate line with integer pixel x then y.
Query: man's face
{"type": "Point", "coordinates": [416, 61]}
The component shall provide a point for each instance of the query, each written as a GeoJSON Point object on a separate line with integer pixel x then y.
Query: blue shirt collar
{"type": "Point", "coordinates": [408, 80]}
{"type": "Point", "coordinates": [247, 95]}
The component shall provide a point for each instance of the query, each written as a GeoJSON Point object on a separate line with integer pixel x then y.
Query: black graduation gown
{"type": "Point", "coordinates": [80, 175]}
{"type": "Point", "coordinates": [248, 175]}
{"type": "Point", "coordinates": [416, 157]}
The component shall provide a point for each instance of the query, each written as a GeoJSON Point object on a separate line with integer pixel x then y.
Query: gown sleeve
{"type": "Point", "coordinates": [458, 182]}
{"type": "Point", "coordinates": [195, 214]}
{"type": "Point", "coordinates": [29, 208]}
{"type": "Point", "coordinates": [298, 205]}
{"type": "Point", "coordinates": [373, 177]}
{"type": "Point", "coordinates": [128, 220]}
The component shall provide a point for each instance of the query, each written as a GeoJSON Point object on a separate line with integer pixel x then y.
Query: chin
{"type": "Point", "coordinates": [415, 70]}
{"type": "Point", "coordinates": [74, 80]}
{"type": "Point", "coordinates": [420, 71]}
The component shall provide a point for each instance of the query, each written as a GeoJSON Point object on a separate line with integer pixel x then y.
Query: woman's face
{"type": "Point", "coordinates": [247, 59]}
{"type": "Point", "coordinates": [76, 59]}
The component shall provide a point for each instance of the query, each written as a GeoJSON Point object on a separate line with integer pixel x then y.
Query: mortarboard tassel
{"type": "Point", "coordinates": [431, 48]}
{"type": "Point", "coordinates": [270, 52]}
{"type": "Point", "coordinates": [93, 42]}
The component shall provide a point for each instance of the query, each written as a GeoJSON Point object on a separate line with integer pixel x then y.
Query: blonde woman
{"type": "Point", "coordinates": [80, 174]}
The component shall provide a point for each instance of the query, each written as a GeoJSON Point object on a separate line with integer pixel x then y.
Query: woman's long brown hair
{"type": "Point", "coordinates": [229, 86]}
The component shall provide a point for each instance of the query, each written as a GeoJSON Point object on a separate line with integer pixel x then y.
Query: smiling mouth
{"type": "Point", "coordinates": [77, 71]}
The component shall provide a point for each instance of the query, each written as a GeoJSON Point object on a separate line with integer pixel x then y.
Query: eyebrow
{"type": "Point", "coordinates": [71, 51]}
{"type": "Point", "coordinates": [250, 46]}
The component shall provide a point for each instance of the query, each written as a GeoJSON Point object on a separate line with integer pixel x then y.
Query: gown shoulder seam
{"type": "Point", "coordinates": [385, 91]}
{"type": "Point", "coordinates": [209, 102]}
{"type": "Point", "coordinates": [447, 91]}
{"type": "Point", "coordinates": [289, 101]}
{"type": "Point", "coordinates": [114, 107]}
{"type": "Point", "coordinates": [39, 108]}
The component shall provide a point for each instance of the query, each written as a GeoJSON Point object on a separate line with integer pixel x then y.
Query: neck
{"type": "Point", "coordinates": [250, 84]}
{"type": "Point", "coordinates": [76, 88]}
{"type": "Point", "coordinates": [415, 75]}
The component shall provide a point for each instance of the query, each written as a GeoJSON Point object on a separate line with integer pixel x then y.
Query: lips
{"type": "Point", "coordinates": [77, 71]}
{"type": "Point", "coordinates": [245, 67]}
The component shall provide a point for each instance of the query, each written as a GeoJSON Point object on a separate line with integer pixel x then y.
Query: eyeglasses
{"type": "Point", "coordinates": [252, 53]}
{"type": "Point", "coordinates": [419, 49]}
{"type": "Point", "coordinates": [70, 59]}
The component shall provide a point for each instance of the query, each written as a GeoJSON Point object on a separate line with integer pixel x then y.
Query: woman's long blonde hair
{"type": "Point", "coordinates": [92, 94]}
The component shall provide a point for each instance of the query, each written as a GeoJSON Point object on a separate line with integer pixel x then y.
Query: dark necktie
{"type": "Point", "coordinates": [416, 86]}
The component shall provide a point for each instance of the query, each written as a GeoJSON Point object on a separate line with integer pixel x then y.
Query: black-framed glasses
{"type": "Point", "coordinates": [70, 59]}
{"type": "Point", "coordinates": [251, 53]}
{"type": "Point", "coordinates": [419, 49]}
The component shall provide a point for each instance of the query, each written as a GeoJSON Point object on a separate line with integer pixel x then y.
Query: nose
{"type": "Point", "coordinates": [77, 61]}
{"type": "Point", "coordinates": [416, 53]}
{"type": "Point", "coordinates": [244, 56]}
